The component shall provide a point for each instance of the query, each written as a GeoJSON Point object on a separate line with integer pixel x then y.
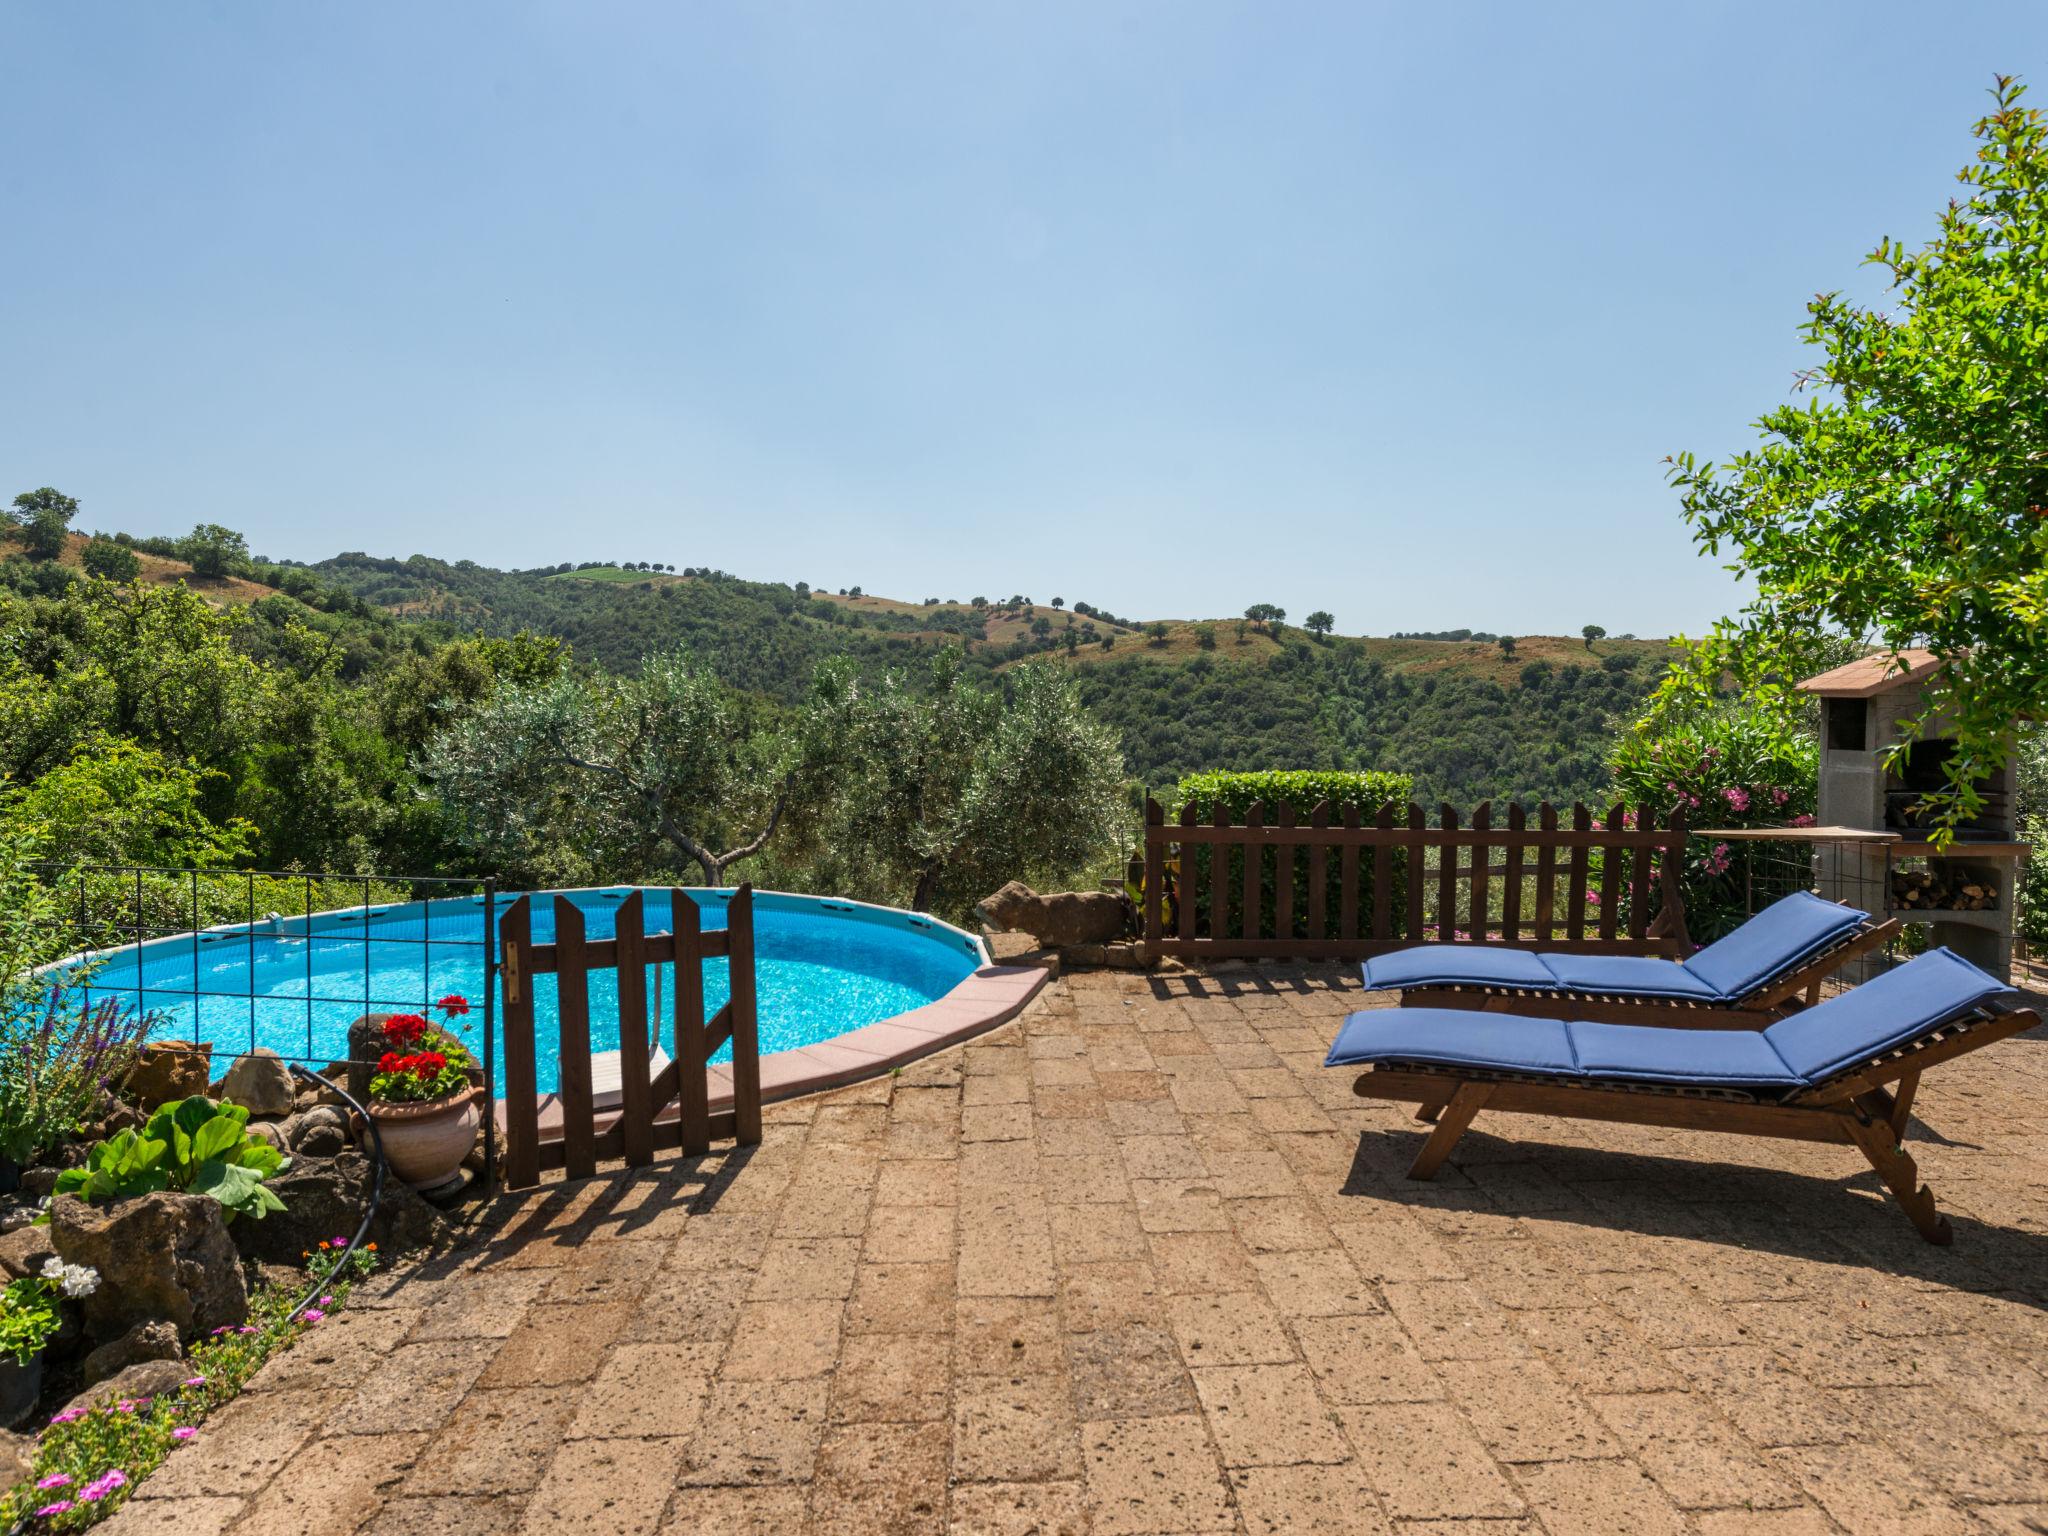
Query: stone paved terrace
{"type": "Point", "coordinates": [1136, 1264]}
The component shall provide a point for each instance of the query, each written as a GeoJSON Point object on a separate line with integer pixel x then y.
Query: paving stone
{"type": "Point", "coordinates": [783, 1341]}
{"type": "Point", "coordinates": [605, 1488]}
{"type": "Point", "coordinates": [1133, 1372]}
{"type": "Point", "coordinates": [1366, 1360]}
{"type": "Point", "coordinates": [880, 1479]}
{"type": "Point", "coordinates": [1096, 1234]}
{"type": "Point", "coordinates": [1425, 1462]}
{"type": "Point", "coordinates": [757, 1432]}
{"type": "Point", "coordinates": [1691, 1452]}
{"type": "Point", "coordinates": [901, 1298]}
{"type": "Point", "coordinates": [447, 1516]}
{"type": "Point", "coordinates": [646, 1389]}
{"type": "Point", "coordinates": [193, 1516]}
{"type": "Point", "coordinates": [1607, 1496]}
{"type": "Point", "coordinates": [1267, 1415]}
{"type": "Point", "coordinates": [1154, 1475]}
{"type": "Point", "coordinates": [1004, 1335]}
{"type": "Point", "coordinates": [523, 1427]}
{"type": "Point", "coordinates": [1314, 1282]}
{"type": "Point", "coordinates": [737, 1512]}
{"type": "Point", "coordinates": [1020, 1509]}
{"type": "Point", "coordinates": [807, 1269]}
{"type": "Point", "coordinates": [335, 1484]}
{"type": "Point", "coordinates": [1017, 1428]}
{"type": "Point", "coordinates": [892, 1377]}
{"type": "Point", "coordinates": [244, 1444]}
{"type": "Point", "coordinates": [1310, 1501]}
{"type": "Point", "coordinates": [1237, 1329]}
{"type": "Point", "coordinates": [1526, 1413]}
{"type": "Point", "coordinates": [556, 1345]}
{"type": "Point", "coordinates": [414, 1385]}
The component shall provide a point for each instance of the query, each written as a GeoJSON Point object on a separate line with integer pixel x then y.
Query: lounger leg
{"type": "Point", "coordinates": [1896, 1167]}
{"type": "Point", "coordinates": [1457, 1116]}
{"type": "Point", "coordinates": [1902, 1104]}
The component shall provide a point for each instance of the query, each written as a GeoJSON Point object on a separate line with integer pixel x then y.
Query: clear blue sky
{"type": "Point", "coordinates": [1387, 309]}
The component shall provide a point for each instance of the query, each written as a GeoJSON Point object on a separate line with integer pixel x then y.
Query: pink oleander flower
{"type": "Point", "coordinates": [61, 1507]}
{"type": "Point", "coordinates": [54, 1480]}
{"type": "Point", "coordinates": [1779, 796]}
{"type": "Point", "coordinates": [1802, 821]}
{"type": "Point", "coordinates": [1737, 798]}
{"type": "Point", "coordinates": [183, 1432]}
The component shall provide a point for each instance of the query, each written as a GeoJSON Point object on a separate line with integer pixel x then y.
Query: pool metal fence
{"type": "Point", "coordinates": [205, 951]}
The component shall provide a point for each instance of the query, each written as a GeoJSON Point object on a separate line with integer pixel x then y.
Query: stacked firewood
{"type": "Point", "coordinates": [1924, 890]}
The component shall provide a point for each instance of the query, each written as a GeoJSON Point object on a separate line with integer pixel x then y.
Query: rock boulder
{"type": "Point", "coordinates": [24, 1251]}
{"type": "Point", "coordinates": [261, 1083]}
{"type": "Point", "coordinates": [325, 1198]}
{"type": "Point", "coordinates": [321, 1131]}
{"type": "Point", "coordinates": [145, 1341]}
{"type": "Point", "coordinates": [1060, 919]}
{"type": "Point", "coordinates": [166, 1072]}
{"type": "Point", "coordinates": [138, 1383]}
{"type": "Point", "coordinates": [161, 1257]}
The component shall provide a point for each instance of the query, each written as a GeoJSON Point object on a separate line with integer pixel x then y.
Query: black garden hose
{"type": "Point", "coordinates": [376, 1187]}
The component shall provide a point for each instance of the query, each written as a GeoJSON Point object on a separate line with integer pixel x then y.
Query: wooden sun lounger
{"type": "Point", "coordinates": [1847, 1072]}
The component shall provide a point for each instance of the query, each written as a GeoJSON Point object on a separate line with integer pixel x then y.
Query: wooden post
{"type": "Point", "coordinates": [1155, 876]}
{"type": "Point", "coordinates": [1546, 874]}
{"type": "Point", "coordinates": [1575, 893]}
{"type": "Point", "coordinates": [1319, 876]}
{"type": "Point", "coordinates": [1511, 890]}
{"type": "Point", "coordinates": [572, 1067]}
{"type": "Point", "coordinates": [1482, 860]}
{"type": "Point", "coordinates": [1184, 887]}
{"type": "Point", "coordinates": [1254, 865]}
{"type": "Point", "coordinates": [1219, 880]}
{"type": "Point", "coordinates": [1418, 872]}
{"type": "Point", "coordinates": [692, 1095]}
{"type": "Point", "coordinates": [746, 1030]}
{"type": "Point", "coordinates": [1283, 879]}
{"type": "Point", "coordinates": [522, 1108]}
{"type": "Point", "coordinates": [1610, 880]}
{"type": "Point", "coordinates": [1447, 877]}
{"type": "Point", "coordinates": [636, 1114]}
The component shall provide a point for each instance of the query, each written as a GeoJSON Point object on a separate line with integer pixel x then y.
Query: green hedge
{"type": "Point", "coordinates": [1303, 789]}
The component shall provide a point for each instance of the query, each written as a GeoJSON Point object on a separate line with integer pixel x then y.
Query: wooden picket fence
{"type": "Point", "coordinates": [1334, 886]}
{"type": "Point", "coordinates": [643, 1119]}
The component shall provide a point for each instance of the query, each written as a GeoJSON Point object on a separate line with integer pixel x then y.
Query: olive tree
{"type": "Point", "coordinates": [608, 776]}
{"type": "Point", "coordinates": [947, 787]}
{"type": "Point", "coordinates": [1906, 502]}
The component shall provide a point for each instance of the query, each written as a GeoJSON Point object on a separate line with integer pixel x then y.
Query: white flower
{"type": "Point", "coordinates": [73, 1279]}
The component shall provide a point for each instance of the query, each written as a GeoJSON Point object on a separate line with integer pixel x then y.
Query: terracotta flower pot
{"type": "Point", "coordinates": [425, 1143]}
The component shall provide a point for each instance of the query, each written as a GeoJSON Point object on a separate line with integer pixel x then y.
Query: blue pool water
{"type": "Point", "coordinates": [822, 968]}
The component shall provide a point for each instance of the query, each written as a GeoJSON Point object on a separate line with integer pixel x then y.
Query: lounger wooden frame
{"type": "Point", "coordinates": [1866, 1106]}
{"type": "Point", "coordinates": [1781, 995]}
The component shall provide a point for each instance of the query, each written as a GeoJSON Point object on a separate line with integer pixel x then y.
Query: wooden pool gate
{"type": "Point", "coordinates": [643, 1119]}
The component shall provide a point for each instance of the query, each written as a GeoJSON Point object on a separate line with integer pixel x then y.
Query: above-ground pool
{"type": "Point", "coordinates": [294, 984]}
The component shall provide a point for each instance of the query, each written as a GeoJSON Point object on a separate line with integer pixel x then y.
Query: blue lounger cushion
{"type": "Point", "coordinates": [1782, 937]}
{"type": "Point", "coordinates": [1779, 939]}
{"type": "Point", "coordinates": [1884, 1013]}
{"type": "Point", "coordinates": [1632, 975]}
{"type": "Point", "coordinates": [1462, 965]}
{"type": "Point", "coordinates": [1796, 1053]}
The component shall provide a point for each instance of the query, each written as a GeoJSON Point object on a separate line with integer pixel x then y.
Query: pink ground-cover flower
{"type": "Point", "coordinates": [68, 1416]}
{"type": "Point", "coordinates": [195, 1381]}
{"type": "Point", "coordinates": [326, 1301]}
{"type": "Point", "coordinates": [103, 1485]}
{"type": "Point", "coordinates": [54, 1480]}
{"type": "Point", "coordinates": [314, 1315]}
{"type": "Point", "coordinates": [61, 1507]}
{"type": "Point", "coordinates": [183, 1432]}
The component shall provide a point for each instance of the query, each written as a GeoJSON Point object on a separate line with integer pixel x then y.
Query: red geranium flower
{"type": "Point", "coordinates": [391, 1061]}
{"type": "Point", "coordinates": [404, 1028]}
{"type": "Point", "coordinates": [428, 1065]}
{"type": "Point", "coordinates": [453, 1006]}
